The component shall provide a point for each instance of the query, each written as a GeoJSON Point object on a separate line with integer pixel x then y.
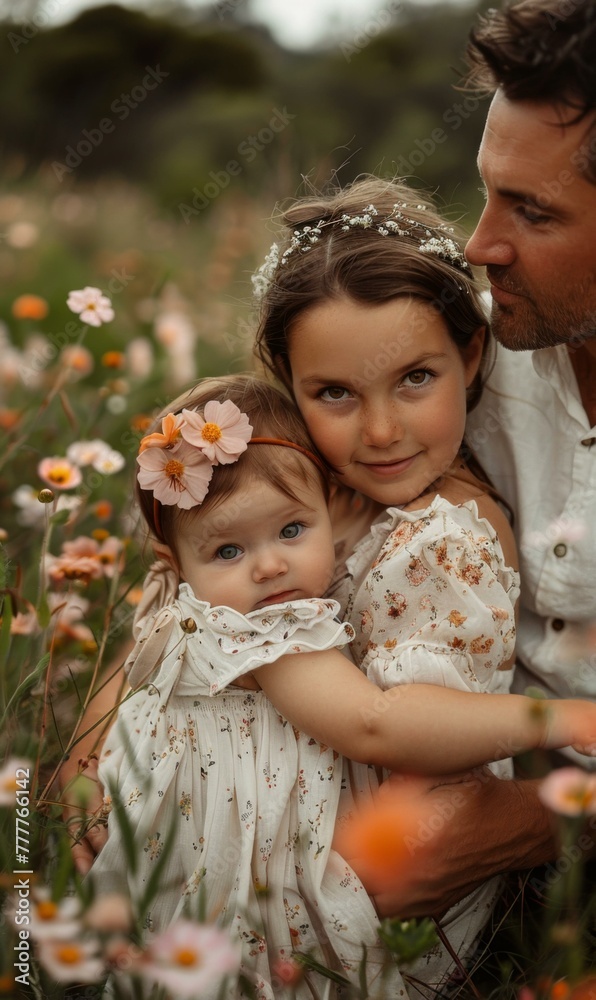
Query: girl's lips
{"type": "Point", "coordinates": [389, 468]}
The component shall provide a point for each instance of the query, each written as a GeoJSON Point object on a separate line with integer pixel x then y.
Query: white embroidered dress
{"type": "Point", "coordinates": [252, 802]}
{"type": "Point", "coordinates": [432, 601]}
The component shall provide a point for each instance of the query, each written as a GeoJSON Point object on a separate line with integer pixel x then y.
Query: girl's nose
{"type": "Point", "coordinates": [490, 243]}
{"type": "Point", "coordinates": [269, 563]}
{"type": "Point", "coordinates": [381, 426]}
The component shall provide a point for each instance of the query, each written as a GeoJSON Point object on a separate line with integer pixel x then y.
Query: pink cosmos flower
{"type": "Point", "coordinates": [222, 434]}
{"type": "Point", "coordinates": [79, 560]}
{"type": "Point", "coordinates": [93, 306]}
{"type": "Point", "coordinates": [59, 473]}
{"type": "Point", "coordinates": [168, 437]}
{"type": "Point", "coordinates": [569, 791]}
{"type": "Point", "coordinates": [190, 959]}
{"type": "Point", "coordinates": [179, 476]}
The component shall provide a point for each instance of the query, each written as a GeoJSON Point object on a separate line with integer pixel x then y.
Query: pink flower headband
{"type": "Point", "coordinates": [176, 463]}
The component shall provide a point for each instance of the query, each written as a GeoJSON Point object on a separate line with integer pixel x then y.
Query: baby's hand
{"type": "Point", "coordinates": [572, 723]}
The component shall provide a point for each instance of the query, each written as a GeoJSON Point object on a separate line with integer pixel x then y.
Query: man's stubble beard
{"type": "Point", "coordinates": [524, 328]}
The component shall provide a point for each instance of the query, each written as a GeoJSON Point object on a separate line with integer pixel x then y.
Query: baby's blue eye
{"type": "Point", "coordinates": [291, 530]}
{"type": "Point", "coordinates": [228, 551]}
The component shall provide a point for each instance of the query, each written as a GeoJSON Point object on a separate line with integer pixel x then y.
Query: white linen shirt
{"type": "Point", "coordinates": [532, 436]}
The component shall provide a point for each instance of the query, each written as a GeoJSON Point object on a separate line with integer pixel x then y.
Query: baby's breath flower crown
{"type": "Point", "coordinates": [434, 240]}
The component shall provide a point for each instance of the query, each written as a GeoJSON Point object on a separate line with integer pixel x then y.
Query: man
{"type": "Point", "coordinates": [534, 431]}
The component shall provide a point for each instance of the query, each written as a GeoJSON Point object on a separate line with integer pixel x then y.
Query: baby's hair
{"type": "Point", "coordinates": [273, 415]}
{"type": "Point", "coordinates": [366, 264]}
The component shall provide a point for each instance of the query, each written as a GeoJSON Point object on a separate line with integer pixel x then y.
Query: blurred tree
{"type": "Point", "coordinates": [171, 101]}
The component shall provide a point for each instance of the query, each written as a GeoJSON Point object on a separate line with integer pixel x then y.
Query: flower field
{"type": "Point", "coordinates": [110, 307]}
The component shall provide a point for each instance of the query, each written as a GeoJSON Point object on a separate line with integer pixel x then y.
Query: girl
{"type": "Point", "coordinates": [371, 316]}
{"type": "Point", "coordinates": [235, 500]}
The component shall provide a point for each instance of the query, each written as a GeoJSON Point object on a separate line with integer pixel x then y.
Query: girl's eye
{"type": "Point", "coordinates": [333, 393]}
{"type": "Point", "coordinates": [292, 530]}
{"type": "Point", "coordinates": [228, 552]}
{"type": "Point", "coordinates": [418, 377]}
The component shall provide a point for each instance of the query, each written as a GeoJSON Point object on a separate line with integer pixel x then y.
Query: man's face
{"type": "Point", "coordinates": [537, 234]}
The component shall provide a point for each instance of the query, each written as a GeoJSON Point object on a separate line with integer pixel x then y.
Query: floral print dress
{"type": "Point", "coordinates": [249, 801]}
{"type": "Point", "coordinates": [432, 601]}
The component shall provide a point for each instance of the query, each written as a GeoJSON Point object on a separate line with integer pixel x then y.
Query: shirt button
{"type": "Point", "coordinates": [560, 550]}
{"type": "Point", "coordinates": [588, 442]}
{"type": "Point", "coordinates": [557, 624]}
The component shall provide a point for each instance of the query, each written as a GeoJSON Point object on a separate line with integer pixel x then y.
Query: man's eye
{"type": "Point", "coordinates": [532, 214]}
{"type": "Point", "coordinates": [228, 551]}
{"type": "Point", "coordinates": [291, 530]}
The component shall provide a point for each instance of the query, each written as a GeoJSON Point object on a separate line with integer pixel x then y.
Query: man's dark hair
{"type": "Point", "coordinates": [543, 50]}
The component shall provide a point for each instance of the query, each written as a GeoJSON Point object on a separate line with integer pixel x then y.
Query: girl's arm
{"type": "Point", "coordinates": [419, 728]}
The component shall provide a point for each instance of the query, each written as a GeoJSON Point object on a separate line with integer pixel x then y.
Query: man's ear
{"type": "Point", "coordinates": [472, 354]}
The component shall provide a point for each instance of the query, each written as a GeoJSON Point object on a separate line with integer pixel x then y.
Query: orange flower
{"type": "Point", "coordinates": [141, 422]}
{"type": "Point", "coordinates": [585, 990]}
{"type": "Point", "coordinates": [30, 307]}
{"type": "Point", "coordinates": [380, 840]}
{"type": "Point", "coordinates": [103, 510]}
{"type": "Point", "coordinates": [169, 435]}
{"type": "Point", "coordinates": [9, 419]}
{"type": "Point", "coordinates": [113, 359]}
{"type": "Point", "coordinates": [100, 534]}
{"type": "Point", "coordinates": [78, 359]}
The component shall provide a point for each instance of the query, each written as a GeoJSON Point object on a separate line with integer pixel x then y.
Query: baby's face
{"type": "Point", "coordinates": [259, 547]}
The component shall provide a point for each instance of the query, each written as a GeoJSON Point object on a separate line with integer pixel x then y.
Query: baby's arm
{"type": "Point", "coordinates": [417, 728]}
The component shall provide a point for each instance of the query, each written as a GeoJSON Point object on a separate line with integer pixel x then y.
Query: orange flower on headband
{"type": "Point", "coordinates": [169, 435]}
{"type": "Point", "coordinates": [222, 434]}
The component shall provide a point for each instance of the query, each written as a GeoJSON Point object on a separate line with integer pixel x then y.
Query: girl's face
{"type": "Point", "coordinates": [382, 389]}
{"type": "Point", "coordinates": [259, 547]}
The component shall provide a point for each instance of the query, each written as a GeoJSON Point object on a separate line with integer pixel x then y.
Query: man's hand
{"type": "Point", "coordinates": [480, 826]}
{"type": "Point", "coordinates": [84, 815]}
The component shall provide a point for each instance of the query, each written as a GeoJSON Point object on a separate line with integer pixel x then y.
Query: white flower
{"type": "Point", "coordinates": [87, 452]}
{"type": "Point", "coordinates": [109, 462]}
{"type": "Point", "coordinates": [71, 961]}
{"type": "Point", "coordinates": [94, 307]}
{"type": "Point", "coordinates": [22, 235]}
{"type": "Point", "coordinates": [51, 921]}
{"type": "Point", "coordinates": [9, 777]}
{"type": "Point", "coordinates": [191, 959]}
{"type": "Point", "coordinates": [140, 357]}
{"type": "Point", "coordinates": [32, 512]}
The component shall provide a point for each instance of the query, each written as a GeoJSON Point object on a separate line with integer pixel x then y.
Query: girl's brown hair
{"type": "Point", "coordinates": [273, 415]}
{"type": "Point", "coordinates": [364, 265]}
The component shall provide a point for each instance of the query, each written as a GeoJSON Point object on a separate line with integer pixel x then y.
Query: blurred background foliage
{"type": "Point", "coordinates": [154, 144]}
{"type": "Point", "coordinates": [360, 104]}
